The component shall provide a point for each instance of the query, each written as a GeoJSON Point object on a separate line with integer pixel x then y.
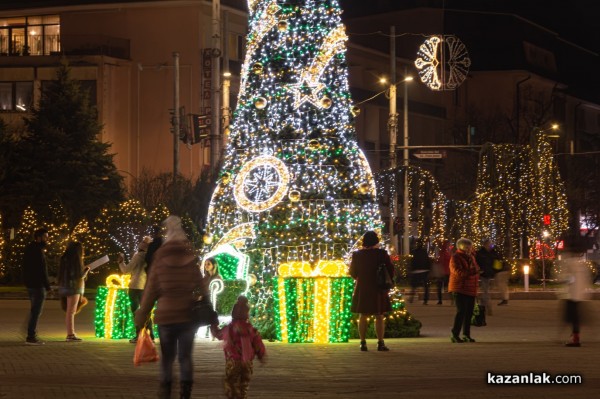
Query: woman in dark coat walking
{"type": "Point", "coordinates": [368, 299]}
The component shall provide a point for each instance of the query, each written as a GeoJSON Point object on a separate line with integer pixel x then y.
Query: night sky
{"type": "Point", "coordinates": [577, 21]}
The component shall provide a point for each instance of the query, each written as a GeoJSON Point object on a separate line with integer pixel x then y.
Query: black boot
{"type": "Point", "coordinates": [363, 346]}
{"type": "Point", "coordinates": [164, 391]}
{"type": "Point", "coordinates": [186, 390]}
{"type": "Point", "coordinates": [381, 346]}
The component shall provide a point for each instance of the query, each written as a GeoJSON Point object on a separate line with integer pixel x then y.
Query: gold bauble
{"type": "Point", "coordinates": [294, 195]}
{"type": "Point", "coordinates": [364, 188]}
{"type": "Point", "coordinates": [226, 178]}
{"type": "Point", "coordinates": [313, 144]}
{"type": "Point", "coordinates": [260, 103]}
{"type": "Point", "coordinates": [282, 26]}
{"type": "Point", "coordinates": [326, 102]}
{"type": "Point", "coordinates": [355, 111]}
{"type": "Point", "coordinates": [252, 278]}
{"type": "Point", "coordinates": [257, 68]}
{"type": "Point", "coordinates": [207, 238]}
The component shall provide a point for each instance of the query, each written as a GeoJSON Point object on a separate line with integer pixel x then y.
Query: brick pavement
{"type": "Point", "coordinates": [522, 337]}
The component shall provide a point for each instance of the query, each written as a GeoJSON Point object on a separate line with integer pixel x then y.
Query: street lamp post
{"type": "Point", "coordinates": [406, 230]}
{"type": "Point", "coordinates": [393, 131]}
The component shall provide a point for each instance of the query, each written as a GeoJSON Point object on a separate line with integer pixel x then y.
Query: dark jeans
{"type": "Point", "coordinates": [177, 339]}
{"type": "Point", "coordinates": [37, 296]}
{"type": "Point", "coordinates": [416, 280]}
{"type": "Point", "coordinates": [464, 312]}
{"type": "Point", "coordinates": [135, 297]}
{"type": "Point", "coordinates": [572, 315]}
{"type": "Point", "coordinates": [441, 283]}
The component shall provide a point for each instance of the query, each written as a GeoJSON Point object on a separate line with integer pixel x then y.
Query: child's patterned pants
{"type": "Point", "coordinates": [237, 378]}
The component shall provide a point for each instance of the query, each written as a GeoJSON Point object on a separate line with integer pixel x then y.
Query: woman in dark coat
{"type": "Point", "coordinates": [368, 299]}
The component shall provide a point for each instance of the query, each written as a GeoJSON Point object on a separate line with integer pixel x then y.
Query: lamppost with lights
{"type": "Point", "coordinates": [393, 131]}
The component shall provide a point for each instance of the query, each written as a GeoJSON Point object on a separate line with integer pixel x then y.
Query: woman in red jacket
{"type": "Point", "coordinates": [464, 278]}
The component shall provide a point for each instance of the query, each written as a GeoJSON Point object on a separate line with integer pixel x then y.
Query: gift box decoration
{"type": "Point", "coordinates": [113, 316]}
{"type": "Point", "coordinates": [313, 305]}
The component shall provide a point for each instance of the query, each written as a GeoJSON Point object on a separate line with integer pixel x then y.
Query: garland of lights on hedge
{"type": "Point", "coordinates": [427, 203]}
{"type": "Point", "coordinates": [294, 186]}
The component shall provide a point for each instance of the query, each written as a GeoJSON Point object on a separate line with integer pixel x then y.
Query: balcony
{"type": "Point", "coordinates": [65, 45]}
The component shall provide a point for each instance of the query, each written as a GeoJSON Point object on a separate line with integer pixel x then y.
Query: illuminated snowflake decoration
{"type": "Point", "coordinates": [443, 62]}
{"type": "Point", "coordinates": [261, 184]}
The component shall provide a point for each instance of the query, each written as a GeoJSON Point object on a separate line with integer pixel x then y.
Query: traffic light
{"type": "Point", "coordinates": [184, 129]}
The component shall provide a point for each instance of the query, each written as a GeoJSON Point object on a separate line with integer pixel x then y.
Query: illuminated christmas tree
{"type": "Point", "coordinates": [295, 192]}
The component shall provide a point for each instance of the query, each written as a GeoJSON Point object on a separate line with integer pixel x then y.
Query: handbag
{"type": "Point", "coordinates": [145, 350]}
{"type": "Point", "coordinates": [384, 281]}
{"type": "Point", "coordinates": [203, 313]}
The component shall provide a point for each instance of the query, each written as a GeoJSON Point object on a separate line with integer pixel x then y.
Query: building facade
{"type": "Point", "coordinates": [521, 77]}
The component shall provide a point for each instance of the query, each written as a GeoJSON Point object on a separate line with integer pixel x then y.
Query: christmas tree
{"type": "Point", "coordinates": [295, 192]}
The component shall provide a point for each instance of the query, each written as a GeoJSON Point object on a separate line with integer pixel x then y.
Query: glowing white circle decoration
{"type": "Point", "coordinates": [261, 183]}
{"type": "Point", "coordinates": [443, 62]}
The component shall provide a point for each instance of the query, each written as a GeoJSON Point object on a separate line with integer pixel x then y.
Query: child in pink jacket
{"type": "Point", "coordinates": [241, 343]}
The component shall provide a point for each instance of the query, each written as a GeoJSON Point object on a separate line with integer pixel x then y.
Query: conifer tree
{"type": "Point", "coordinates": [61, 157]}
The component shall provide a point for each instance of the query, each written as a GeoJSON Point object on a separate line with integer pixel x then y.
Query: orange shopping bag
{"type": "Point", "coordinates": [145, 350]}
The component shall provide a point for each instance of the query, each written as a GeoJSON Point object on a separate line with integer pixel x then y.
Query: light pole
{"type": "Point", "coordinates": [406, 231]}
{"type": "Point", "coordinates": [393, 131]}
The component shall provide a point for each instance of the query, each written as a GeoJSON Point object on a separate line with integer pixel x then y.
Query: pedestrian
{"type": "Point", "coordinates": [137, 269]}
{"type": "Point", "coordinates": [464, 278]}
{"type": "Point", "coordinates": [211, 267]}
{"type": "Point", "coordinates": [502, 278]}
{"type": "Point", "coordinates": [488, 259]}
{"type": "Point", "coordinates": [35, 278]}
{"type": "Point", "coordinates": [71, 284]}
{"type": "Point", "coordinates": [175, 281]}
{"type": "Point", "coordinates": [211, 273]}
{"type": "Point", "coordinates": [241, 343]}
{"type": "Point", "coordinates": [420, 266]}
{"type": "Point", "coordinates": [577, 278]}
{"type": "Point", "coordinates": [368, 299]}
{"type": "Point", "coordinates": [444, 266]}
{"type": "Point", "coordinates": [156, 232]}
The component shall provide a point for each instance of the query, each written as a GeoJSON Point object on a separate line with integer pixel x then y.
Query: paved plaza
{"type": "Point", "coordinates": [523, 337]}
